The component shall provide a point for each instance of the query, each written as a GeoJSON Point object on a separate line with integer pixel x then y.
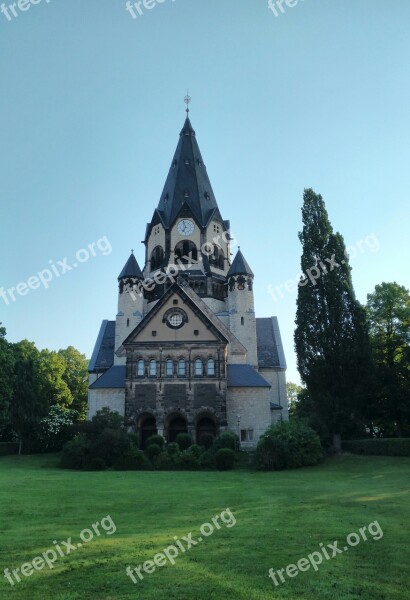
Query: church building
{"type": "Point", "coordinates": [186, 352]}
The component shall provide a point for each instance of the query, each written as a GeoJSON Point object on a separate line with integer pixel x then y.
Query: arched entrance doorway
{"type": "Point", "coordinates": [176, 425]}
{"type": "Point", "coordinates": [205, 426]}
{"type": "Point", "coordinates": [147, 426]}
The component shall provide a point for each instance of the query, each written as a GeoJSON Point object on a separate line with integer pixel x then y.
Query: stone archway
{"type": "Point", "coordinates": [176, 424]}
{"type": "Point", "coordinates": [146, 427]}
{"type": "Point", "coordinates": [205, 425]}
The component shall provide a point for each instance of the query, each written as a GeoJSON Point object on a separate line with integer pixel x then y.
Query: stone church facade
{"type": "Point", "coordinates": [186, 352]}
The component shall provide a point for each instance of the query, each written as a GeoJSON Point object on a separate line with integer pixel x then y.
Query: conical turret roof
{"type": "Point", "coordinates": [131, 269]}
{"type": "Point", "coordinates": [240, 266]}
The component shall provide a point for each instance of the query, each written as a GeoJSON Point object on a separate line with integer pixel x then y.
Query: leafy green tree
{"type": "Point", "coordinates": [28, 405]}
{"type": "Point", "coordinates": [76, 378]}
{"type": "Point", "coordinates": [6, 380]}
{"type": "Point", "coordinates": [331, 337]}
{"type": "Point", "coordinates": [293, 390]}
{"type": "Point", "coordinates": [51, 368]}
{"type": "Point", "coordinates": [388, 313]}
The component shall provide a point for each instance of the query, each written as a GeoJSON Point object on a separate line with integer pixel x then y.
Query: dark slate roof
{"type": "Point", "coordinates": [187, 184]}
{"type": "Point", "coordinates": [131, 269]}
{"type": "Point", "coordinates": [103, 354]}
{"type": "Point", "coordinates": [274, 406]}
{"type": "Point", "coordinates": [269, 343]}
{"type": "Point", "coordinates": [240, 266]}
{"type": "Point", "coordinates": [111, 379]}
{"type": "Point", "coordinates": [245, 376]}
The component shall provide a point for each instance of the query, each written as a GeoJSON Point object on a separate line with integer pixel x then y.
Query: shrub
{"type": "Point", "coordinates": [173, 449]}
{"type": "Point", "coordinates": [288, 445]}
{"type": "Point", "coordinates": [184, 440]}
{"type": "Point", "coordinates": [197, 451]}
{"type": "Point", "coordinates": [206, 440]}
{"type": "Point", "coordinates": [227, 439]}
{"type": "Point", "coordinates": [156, 439]}
{"type": "Point", "coordinates": [110, 445]}
{"type": "Point", "coordinates": [207, 460]}
{"type": "Point", "coordinates": [56, 429]}
{"type": "Point", "coordinates": [95, 463]}
{"type": "Point", "coordinates": [153, 451]}
{"type": "Point", "coordinates": [103, 419]}
{"type": "Point", "coordinates": [186, 461]}
{"type": "Point", "coordinates": [379, 446]}
{"type": "Point", "coordinates": [225, 459]}
{"type": "Point", "coordinates": [164, 462]}
{"type": "Point", "coordinates": [132, 460]}
{"type": "Point", "coordinates": [75, 453]}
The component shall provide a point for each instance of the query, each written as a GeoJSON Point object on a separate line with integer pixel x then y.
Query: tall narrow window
{"type": "Point", "coordinates": [199, 368]}
{"type": "Point", "coordinates": [140, 368]}
{"type": "Point", "coordinates": [242, 321]}
{"type": "Point", "coordinates": [211, 367]}
{"type": "Point", "coordinates": [153, 368]}
{"type": "Point", "coordinates": [181, 368]}
{"type": "Point", "coordinates": [169, 368]}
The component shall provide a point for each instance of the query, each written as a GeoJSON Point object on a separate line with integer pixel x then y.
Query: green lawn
{"type": "Point", "coordinates": [281, 518]}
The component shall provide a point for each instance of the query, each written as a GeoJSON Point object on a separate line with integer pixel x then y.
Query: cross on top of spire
{"type": "Point", "coordinates": [187, 101]}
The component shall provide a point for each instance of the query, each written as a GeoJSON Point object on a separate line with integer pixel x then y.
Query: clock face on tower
{"type": "Point", "coordinates": [186, 227]}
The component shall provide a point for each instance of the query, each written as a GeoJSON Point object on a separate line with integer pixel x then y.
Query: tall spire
{"type": "Point", "coordinates": [187, 183]}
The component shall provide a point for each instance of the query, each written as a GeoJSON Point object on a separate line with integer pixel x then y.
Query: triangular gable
{"type": "Point", "coordinates": [198, 328]}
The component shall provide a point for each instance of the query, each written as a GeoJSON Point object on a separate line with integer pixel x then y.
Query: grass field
{"type": "Point", "coordinates": [280, 518]}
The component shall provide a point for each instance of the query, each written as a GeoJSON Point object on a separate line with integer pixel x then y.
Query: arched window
{"type": "Point", "coordinates": [186, 252]}
{"type": "Point", "coordinates": [157, 258]}
{"type": "Point", "coordinates": [153, 368]}
{"type": "Point", "coordinates": [169, 368]}
{"type": "Point", "coordinates": [181, 368]}
{"type": "Point", "coordinates": [140, 368]}
{"type": "Point", "coordinates": [199, 368]}
{"type": "Point", "coordinates": [217, 258]}
{"type": "Point", "coordinates": [211, 367]}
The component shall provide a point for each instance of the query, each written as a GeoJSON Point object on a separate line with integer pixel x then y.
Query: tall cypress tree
{"type": "Point", "coordinates": [331, 338]}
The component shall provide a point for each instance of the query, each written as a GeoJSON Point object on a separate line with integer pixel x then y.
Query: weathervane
{"type": "Point", "coordinates": [187, 101]}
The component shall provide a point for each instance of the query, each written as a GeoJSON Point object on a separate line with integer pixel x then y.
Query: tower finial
{"type": "Point", "coordinates": [187, 101]}
{"type": "Point", "coordinates": [132, 250]}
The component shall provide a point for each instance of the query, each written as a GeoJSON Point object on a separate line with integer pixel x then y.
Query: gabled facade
{"type": "Point", "coordinates": [186, 351]}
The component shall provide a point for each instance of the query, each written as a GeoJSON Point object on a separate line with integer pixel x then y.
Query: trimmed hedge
{"type": "Point", "coordinates": [7, 448]}
{"type": "Point", "coordinates": [288, 445]}
{"type": "Point", "coordinates": [379, 446]}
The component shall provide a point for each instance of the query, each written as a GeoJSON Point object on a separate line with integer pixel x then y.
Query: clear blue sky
{"type": "Point", "coordinates": [91, 109]}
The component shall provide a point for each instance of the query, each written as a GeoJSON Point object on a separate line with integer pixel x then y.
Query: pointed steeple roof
{"type": "Point", "coordinates": [240, 266]}
{"type": "Point", "coordinates": [131, 269]}
{"type": "Point", "coordinates": [187, 183]}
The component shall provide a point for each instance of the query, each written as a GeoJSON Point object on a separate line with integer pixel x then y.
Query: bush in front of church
{"type": "Point", "coordinates": [226, 439]}
{"type": "Point", "coordinates": [156, 439]}
{"type": "Point", "coordinates": [132, 460]}
{"type": "Point", "coordinates": [207, 439]}
{"type": "Point", "coordinates": [173, 449]}
{"type": "Point", "coordinates": [184, 441]}
{"type": "Point", "coordinates": [103, 443]}
{"type": "Point", "coordinates": [288, 445]}
{"type": "Point", "coordinates": [76, 453]}
{"type": "Point", "coordinates": [225, 459]}
{"type": "Point", "coordinates": [152, 451]}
